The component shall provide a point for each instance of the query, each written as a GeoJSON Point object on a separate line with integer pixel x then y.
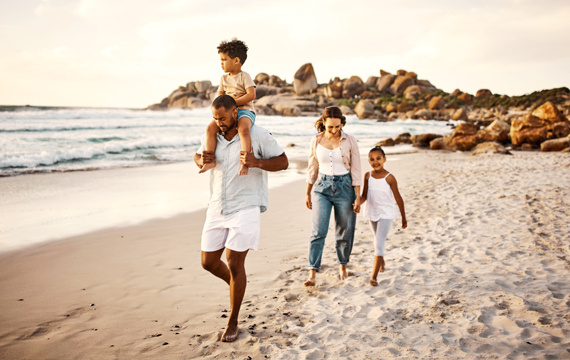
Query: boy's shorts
{"type": "Point", "coordinates": [248, 113]}
{"type": "Point", "coordinates": [238, 231]}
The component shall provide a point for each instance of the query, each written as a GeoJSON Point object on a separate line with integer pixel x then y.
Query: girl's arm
{"type": "Point", "coordinates": [394, 186]}
{"type": "Point", "coordinates": [247, 97]}
{"type": "Point", "coordinates": [308, 197]}
{"type": "Point", "coordinates": [365, 188]}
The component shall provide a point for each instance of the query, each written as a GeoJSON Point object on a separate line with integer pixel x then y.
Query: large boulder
{"type": "Point", "coordinates": [264, 90]}
{"type": "Point", "coordinates": [400, 84]}
{"type": "Point", "coordinates": [372, 81]}
{"type": "Point", "coordinates": [261, 78]}
{"type": "Point", "coordinates": [404, 107]}
{"type": "Point", "coordinates": [346, 110]}
{"type": "Point", "coordinates": [364, 109]}
{"type": "Point", "coordinates": [392, 107]}
{"type": "Point", "coordinates": [334, 89]}
{"type": "Point", "coordinates": [203, 86]}
{"type": "Point", "coordinates": [436, 103]}
{"type": "Point", "coordinates": [462, 138]}
{"type": "Point", "coordinates": [287, 104]}
{"type": "Point", "coordinates": [482, 93]}
{"type": "Point", "coordinates": [498, 131]}
{"type": "Point", "coordinates": [412, 74]}
{"type": "Point", "coordinates": [404, 138]}
{"type": "Point", "coordinates": [305, 80]}
{"type": "Point", "coordinates": [490, 147]}
{"type": "Point", "coordinates": [401, 72]}
{"type": "Point", "coordinates": [423, 140]}
{"type": "Point", "coordinates": [557, 125]}
{"type": "Point", "coordinates": [437, 144]}
{"type": "Point", "coordinates": [384, 82]}
{"type": "Point", "coordinates": [382, 72]}
{"type": "Point", "coordinates": [466, 98]}
{"type": "Point", "coordinates": [555, 144]}
{"type": "Point", "coordinates": [424, 114]}
{"type": "Point", "coordinates": [459, 114]}
{"type": "Point", "coordinates": [529, 130]}
{"type": "Point", "coordinates": [352, 87]}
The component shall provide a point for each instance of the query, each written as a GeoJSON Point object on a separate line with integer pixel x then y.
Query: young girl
{"type": "Point", "coordinates": [380, 189]}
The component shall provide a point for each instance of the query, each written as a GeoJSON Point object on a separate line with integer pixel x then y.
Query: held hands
{"type": "Point", "coordinates": [357, 204]}
{"type": "Point", "coordinates": [248, 159]}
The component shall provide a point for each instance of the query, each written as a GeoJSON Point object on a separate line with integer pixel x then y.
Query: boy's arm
{"type": "Point", "coordinates": [204, 158]}
{"type": "Point", "coordinates": [276, 163]}
{"type": "Point", "coordinates": [394, 186]}
{"type": "Point", "coordinates": [247, 97]}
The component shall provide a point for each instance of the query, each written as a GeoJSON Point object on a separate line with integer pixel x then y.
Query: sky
{"type": "Point", "coordinates": [127, 53]}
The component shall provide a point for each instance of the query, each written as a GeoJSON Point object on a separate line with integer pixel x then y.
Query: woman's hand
{"type": "Point", "coordinates": [357, 204]}
{"type": "Point", "coordinates": [308, 202]}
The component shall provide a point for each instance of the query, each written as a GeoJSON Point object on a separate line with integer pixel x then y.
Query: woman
{"type": "Point", "coordinates": [333, 181]}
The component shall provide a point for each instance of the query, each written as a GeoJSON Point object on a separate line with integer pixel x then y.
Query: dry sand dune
{"type": "Point", "coordinates": [483, 271]}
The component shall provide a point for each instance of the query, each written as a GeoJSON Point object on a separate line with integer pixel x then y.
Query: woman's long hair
{"type": "Point", "coordinates": [330, 112]}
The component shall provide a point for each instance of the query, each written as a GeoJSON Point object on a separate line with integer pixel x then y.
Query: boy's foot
{"type": "Point", "coordinates": [310, 282]}
{"type": "Point", "coordinates": [230, 334]}
{"type": "Point", "coordinates": [342, 274]}
{"type": "Point", "coordinates": [207, 167]}
{"type": "Point", "coordinates": [373, 282]}
{"type": "Point", "coordinates": [243, 170]}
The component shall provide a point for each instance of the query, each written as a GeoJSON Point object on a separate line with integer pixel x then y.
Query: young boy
{"type": "Point", "coordinates": [239, 85]}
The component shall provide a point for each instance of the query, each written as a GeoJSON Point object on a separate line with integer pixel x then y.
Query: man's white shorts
{"type": "Point", "coordinates": [238, 231]}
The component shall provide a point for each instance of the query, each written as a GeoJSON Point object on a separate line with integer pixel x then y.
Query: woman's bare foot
{"type": "Point", "coordinates": [243, 170]}
{"type": "Point", "coordinates": [312, 276]}
{"type": "Point", "coordinates": [342, 274]}
{"type": "Point", "coordinates": [230, 334]}
{"type": "Point", "coordinates": [310, 282]}
{"type": "Point", "coordinates": [207, 167]}
{"type": "Point", "coordinates": [373, 282]}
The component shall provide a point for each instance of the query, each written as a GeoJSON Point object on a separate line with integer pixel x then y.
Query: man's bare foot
{"type": "Point", "coordinates": [342, 274]}
{"type": "Point", "coordinates": [373, 282]}
{"type": "Point", "coordinates": [207, 167]}
{"type": "Point", "coordinates": [230, 334]}
{"type": "Point", "coordinates": [310, 282]}
{"type": "Point", "coordinates": [243, 170]}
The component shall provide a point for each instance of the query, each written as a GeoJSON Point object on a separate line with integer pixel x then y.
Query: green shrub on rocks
{"type": "Point", "coordinates": [533, 100]}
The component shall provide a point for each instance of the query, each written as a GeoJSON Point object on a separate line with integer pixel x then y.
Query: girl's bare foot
{"type": "Point", "coordinates": [373, 282]}
{"type": "Point", "coordinates": [230, 334]}
{"type": "Point", "coordinates": [207, 167]}
{"type": "Point", "coordinates": [342, 274]}
{"type": "Point", "coordinates": [243, 170]}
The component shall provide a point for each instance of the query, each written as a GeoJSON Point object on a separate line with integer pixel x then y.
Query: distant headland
{"type": "Point", "coordinates": [491, 121]}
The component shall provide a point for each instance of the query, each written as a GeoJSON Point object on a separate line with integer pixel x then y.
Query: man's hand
{"type": "Point", "coordinates": [248, 159]}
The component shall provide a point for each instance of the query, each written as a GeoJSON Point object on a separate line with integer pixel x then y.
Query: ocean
{"type": "Point", "coordinates": [44, 140]}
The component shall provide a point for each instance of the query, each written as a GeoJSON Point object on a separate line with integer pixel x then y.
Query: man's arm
{"type": "Point", "coordinates": [204, 158]}
{"type": "Point", "coordinates": [276, 163]}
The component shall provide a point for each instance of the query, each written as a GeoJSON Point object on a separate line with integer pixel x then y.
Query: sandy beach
{"type": "Point", "coordinates": [482, 271]}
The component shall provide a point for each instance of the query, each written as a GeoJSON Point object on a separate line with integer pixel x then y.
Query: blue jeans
{"type": "Point", "coordinates": [332, 191]}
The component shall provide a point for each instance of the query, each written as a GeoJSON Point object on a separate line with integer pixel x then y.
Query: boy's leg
{"type": "Point", "coordinates": [244, 126]}
{"type": "Point", "coordinates": [211, 141]}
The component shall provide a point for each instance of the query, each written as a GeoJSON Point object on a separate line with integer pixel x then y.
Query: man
{"type": "Point", "coordinates": [233, 217]}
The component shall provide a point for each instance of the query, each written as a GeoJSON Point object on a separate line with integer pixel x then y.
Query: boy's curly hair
{"type": "Point", "coordinates": [234, 48]}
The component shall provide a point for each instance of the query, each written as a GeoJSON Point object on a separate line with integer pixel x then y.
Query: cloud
{"type": "Point", "coordinates": [110, 51]}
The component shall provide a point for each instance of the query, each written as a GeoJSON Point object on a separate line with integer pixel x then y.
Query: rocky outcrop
{"type": "Point", "coordinates": [556, 124]}
{"type": "Point", "coordinates": [400, 84]}
{"type": "Point", "coordinates": [529, 130]}
{"type": "Point", "coordinates": [423, 140]}
{"type": "Point", "coordinates": [498, 131]}
{"type": "Point", "coordinates": [436, 103]}
{"type": "Point", "coordinates": [459, 114]}
{"type": "Point", "coordinates": [269, 80]}
{"type": "Point", "coordinates": [305, 81]}
{"type": "Point", "coordinates": [437, 144]}
{"type": "Point", "coordinates": [287, 104]}
{"type": "Point", "coordinates": [463, 137]}
{"type": "Point", "coordinates": [334, 89]}
{"type": "Point", "coordinates": [483, 93]}
{"type": "Point", "coordinates": [404, 138]}
{"type": "Point", "coordinates": [364, 109]}
{"type": "Point", "coordinates": [384, 82]}
{"type": "Point", "coordinates": [352, 87]}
